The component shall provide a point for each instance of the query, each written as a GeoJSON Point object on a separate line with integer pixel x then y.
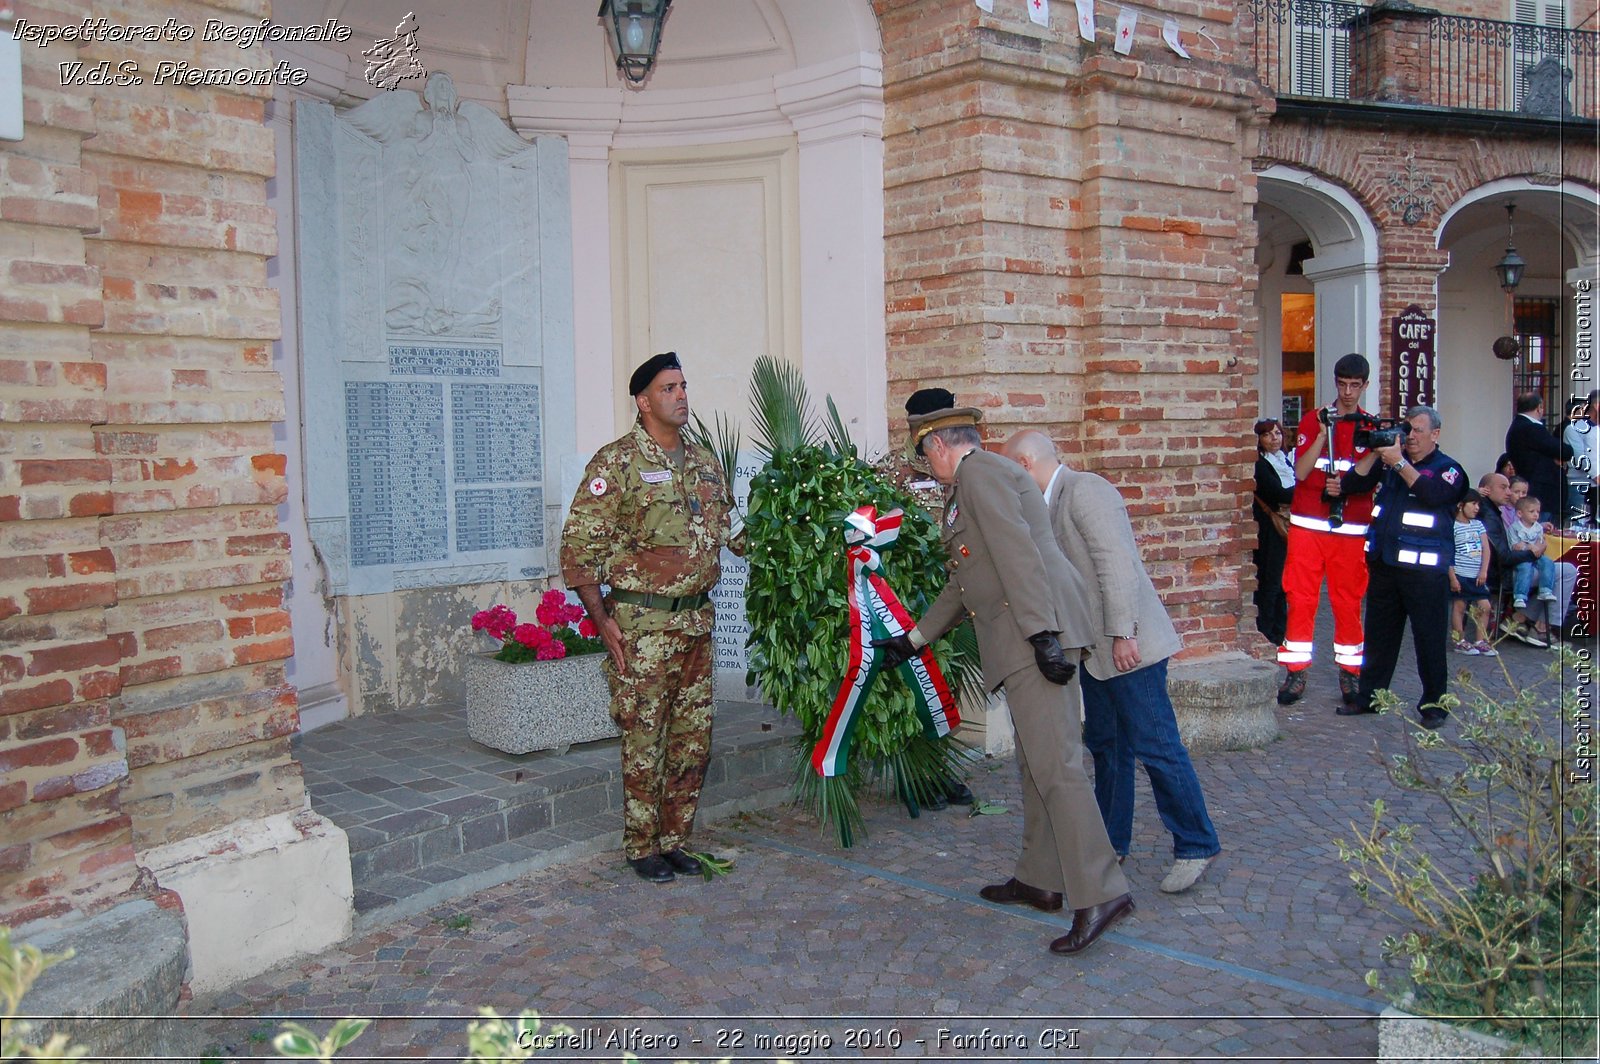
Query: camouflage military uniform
{"type": "Point", "coordinates": [641, 524]}
{"type": "Point", "coordinates": [909, 472]}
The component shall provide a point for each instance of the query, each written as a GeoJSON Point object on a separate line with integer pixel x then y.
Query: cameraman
{"type": "Point", "coordinates": [1410, 547]}
{"type": "Point", "coordinates": [1327, 529]}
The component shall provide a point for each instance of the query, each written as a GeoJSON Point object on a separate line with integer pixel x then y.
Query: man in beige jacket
{"type": "Point", "coordinates": [1127, 712]}
{"type": "Point", "coordinates": [1008, 572]}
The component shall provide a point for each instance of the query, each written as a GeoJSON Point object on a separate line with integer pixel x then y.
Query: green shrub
{"type": "Point", "coordinates": [1515, 948]}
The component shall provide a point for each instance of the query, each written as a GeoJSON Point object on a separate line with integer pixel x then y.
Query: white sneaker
{"type": "Point", "coordinates": [1520, 602]}
{"type": "Point", "coordinates": [1547, 594]}
{"type": "Point", "coordinates": [1185, 873]}
{"type": "Point", "coordinates": [1487, 650]}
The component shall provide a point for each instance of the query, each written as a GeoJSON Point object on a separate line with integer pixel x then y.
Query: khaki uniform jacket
{"type": "Point", "coordinates": [1091, 524]}
{"type": "Point", "coordinates": [1006, 569]}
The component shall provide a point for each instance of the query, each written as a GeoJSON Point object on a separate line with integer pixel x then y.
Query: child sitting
{"type": "Point", "coordinates": [1468, 578]}
{"type": "Point", "coordinates": [1526, 533]}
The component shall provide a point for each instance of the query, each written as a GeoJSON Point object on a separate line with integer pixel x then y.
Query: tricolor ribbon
{"type": "Point", "coordinates": [876, 612]}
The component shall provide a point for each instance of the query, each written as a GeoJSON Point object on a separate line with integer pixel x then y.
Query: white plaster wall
{"type": "Point", "coordinates": [314, 668]}
{"type": "Point", "coordinates": [258, 893]}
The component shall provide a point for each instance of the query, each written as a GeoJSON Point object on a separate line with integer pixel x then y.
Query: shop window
{"type": "Point", "coordinates": [1538, 366]}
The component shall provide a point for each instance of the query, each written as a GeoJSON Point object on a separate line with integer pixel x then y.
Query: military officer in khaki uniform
{"type": "Point", "coordinates": [650, 520]}
{"type": "Point", "coordinates": [1008, 572]}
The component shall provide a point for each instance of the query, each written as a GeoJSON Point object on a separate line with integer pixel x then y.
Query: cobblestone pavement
{"type": "Point", "coordinates": [879, 948]}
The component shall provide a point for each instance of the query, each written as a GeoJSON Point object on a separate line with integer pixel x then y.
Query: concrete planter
{"type": "Point", "coordinates": [1407, 1039]}
{"type": "Point", "coordinates": [537, 705]}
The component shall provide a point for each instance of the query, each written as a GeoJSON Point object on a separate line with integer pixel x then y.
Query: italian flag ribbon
{"type": "Point", "coordinates": [876, 612]}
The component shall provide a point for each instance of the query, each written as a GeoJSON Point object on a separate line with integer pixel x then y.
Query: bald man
{"type": "Point", "coordinates": [1127, 711]}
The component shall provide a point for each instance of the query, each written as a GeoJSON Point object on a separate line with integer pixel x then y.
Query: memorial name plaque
{"type": "Point", "coordinates": [435, 257]}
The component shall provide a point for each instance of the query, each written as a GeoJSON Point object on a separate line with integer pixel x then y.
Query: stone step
{"type": "Point", "coordinates": [432, 815]}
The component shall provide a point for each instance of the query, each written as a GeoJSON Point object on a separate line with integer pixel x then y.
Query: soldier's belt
{"type": "Point", "coordinates": [670, 603]}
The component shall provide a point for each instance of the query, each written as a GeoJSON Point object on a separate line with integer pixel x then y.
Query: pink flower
{"type": "Point", "coordinates": [552, 650]}
{"type": "Point", "coordinates": [550, 613]}
{"type": "Point", "coordinates": [497, 621]}
{"type": "Point", "coordinates": [572, 614]}
{"type": "Point", "coordinates": [587, 629]}
{"type": "Point", "coordinates": [530, 635]}
{"type": "Point", "coordinates": [480, 620]}
{"type": "Point", "coordinates": [553, 597]}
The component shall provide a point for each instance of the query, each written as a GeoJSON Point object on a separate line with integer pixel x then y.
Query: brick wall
{"type": "Point", "coordinates": [1044, 264]}
{"type": "Point", "coordinates": [1363, 160]}
{"type": "Point", "coordinates": [142, 628]}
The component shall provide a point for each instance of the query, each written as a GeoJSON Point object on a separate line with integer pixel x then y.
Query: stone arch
{"type": "Point", "coordinates": [1341, 274]}
{"type": "Point", "coordinates": [1556, 232]}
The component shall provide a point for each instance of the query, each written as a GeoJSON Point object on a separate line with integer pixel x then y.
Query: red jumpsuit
{"type": "Point", "coordinates": [1318, 551]}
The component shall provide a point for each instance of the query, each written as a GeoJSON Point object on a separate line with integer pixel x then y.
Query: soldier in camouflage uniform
{"type": "Point", "coordinates": [650, 520]}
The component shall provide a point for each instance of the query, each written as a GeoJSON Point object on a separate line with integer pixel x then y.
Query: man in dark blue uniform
{"type": "Point", "coordinates": [1410, 545]}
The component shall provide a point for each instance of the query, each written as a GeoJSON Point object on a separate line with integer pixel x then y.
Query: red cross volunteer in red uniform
{"type": "Point", "coordinates": [1327, 537]}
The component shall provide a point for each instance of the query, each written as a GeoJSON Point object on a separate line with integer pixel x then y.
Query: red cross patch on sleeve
{"type": "Point", "coordinates": [598, 486]}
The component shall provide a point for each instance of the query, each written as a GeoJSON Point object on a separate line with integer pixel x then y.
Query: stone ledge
{"type": "Point", "coordinates": [1226, 702]}
{"type": "Point", "coordinates": [1407, 1039]}
{"type": "Point", "coordinates": [118, 995]}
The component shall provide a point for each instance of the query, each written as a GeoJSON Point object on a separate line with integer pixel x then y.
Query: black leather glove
{"type": "Point", "coordinates": [1051, 659]}
{"type": "Point", "coordinates": [897, 650]}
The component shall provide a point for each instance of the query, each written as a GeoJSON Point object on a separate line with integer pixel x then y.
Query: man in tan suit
{"type": "Point", "coordinates": [1127, 711]}
{"type": "Point", "coordinates": [1008, 572]}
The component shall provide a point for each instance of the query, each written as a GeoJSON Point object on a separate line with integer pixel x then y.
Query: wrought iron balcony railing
{"type": "Point", "coordinates": [1396, 54]}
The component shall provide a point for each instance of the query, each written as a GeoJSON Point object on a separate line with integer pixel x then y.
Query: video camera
{"type": "Point", "coordinates": [1371, 432]}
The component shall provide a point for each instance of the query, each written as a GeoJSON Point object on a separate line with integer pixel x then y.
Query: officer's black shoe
{"type": "Point", "coordinates": [653, 868]}
{"type": "Point", "coordinates": [682, 863]}
{"type": "Point", "coordinates": [1433, 717]}
{"type": "Point", "coordinates": [1293, 688]}
{"type": "Point", "coordinates": [1354, 709]}
{"type": "Point", "coordinates": [959, 793]}
{"type": "Point", "coordinates": [1349, 686]}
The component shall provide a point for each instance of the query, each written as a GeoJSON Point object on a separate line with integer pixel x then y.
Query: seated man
{"type": "Point", "coordinates": [1539, 622]}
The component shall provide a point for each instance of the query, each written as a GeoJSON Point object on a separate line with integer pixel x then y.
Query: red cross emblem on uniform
{"type": "Point", "coordinates": [597, 486]}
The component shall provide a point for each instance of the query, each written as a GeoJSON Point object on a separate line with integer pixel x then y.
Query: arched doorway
{"type": "Point", "coordinates": [1318, 293]}
{"type": "Point", "coordinates": [1555, 230]}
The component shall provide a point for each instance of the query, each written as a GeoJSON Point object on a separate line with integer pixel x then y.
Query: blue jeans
{"type": "Point", "coordinates": [1131, 716]}
{"type": "Point", "coordinates": [1522, 576]}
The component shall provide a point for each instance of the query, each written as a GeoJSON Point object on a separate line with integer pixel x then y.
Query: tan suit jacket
{"type": "Point", "coordinates": [1006, 568]}
{"type": "Point", "coordinates": [1091, 524]}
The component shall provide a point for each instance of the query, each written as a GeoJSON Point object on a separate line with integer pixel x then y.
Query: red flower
{"type": "Point", "coordinates": [497, 621]}
{"type": "Point", "coordinates": [572, 614]}
{"type": "Point", "coordinates": [552, 650]}
{"type": "Point", "coordinates": [553, 597]}
{"type": "Point", "coordinates": [550, 613]}
{"type": "Point", "coordinates": [587, 629]}
{"type": "Point", "coordinates": [530, 635]}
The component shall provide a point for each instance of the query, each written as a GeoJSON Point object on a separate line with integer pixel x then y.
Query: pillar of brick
{"type": "Point", "coordinates": [146, 715]}
{"type": "Point", "coordinates": [1045, 263]}
{"type": "Point", "coordinates": [1390, 58]}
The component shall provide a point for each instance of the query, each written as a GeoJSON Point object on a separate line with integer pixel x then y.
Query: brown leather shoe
{"type": "Point", "coordinates": [1015, 892]}
{"type": "Point", "coordinates": [1089, 924]}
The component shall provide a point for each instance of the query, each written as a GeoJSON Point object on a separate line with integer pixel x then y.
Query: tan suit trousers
{"type": "Point", "coordinates": [1064, 843]}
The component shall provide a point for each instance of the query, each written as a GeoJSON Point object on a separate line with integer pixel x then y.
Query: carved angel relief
{"type": "Point", "coordinates": [441, 209]}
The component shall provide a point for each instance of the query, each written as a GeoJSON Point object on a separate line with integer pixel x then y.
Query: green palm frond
{"type": "Point", "coordinates": [831, 799]}
{"type": "Point", "coordinates": [781, 407]}
{"type": "Point", "coordinates": [965, 670]}
{"type": "Point", "coordinates": [838, 435]}
{"type": "Point", "coordinates": [722, 439]}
